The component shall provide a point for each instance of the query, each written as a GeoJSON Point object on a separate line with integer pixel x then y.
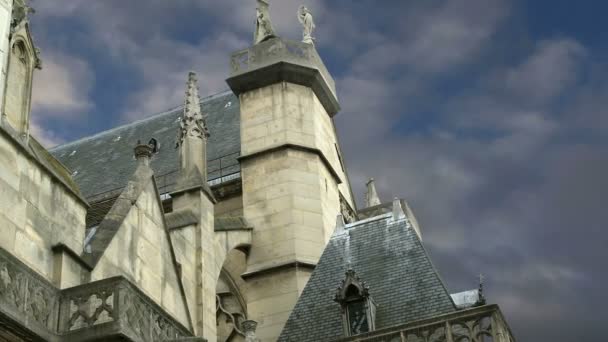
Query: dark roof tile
{"type": "Point", "coordinates": [102, 164]}
{"type": "Point", "coordinates": [391, 259]}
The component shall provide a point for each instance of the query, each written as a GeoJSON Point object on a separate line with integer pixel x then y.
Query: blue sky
{"type": "Point", "coordinates": [488, 116]}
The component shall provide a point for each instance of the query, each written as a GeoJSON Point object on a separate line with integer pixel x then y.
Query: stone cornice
{"type": "Point", "coordinates": [275, 267]}
{"type": "Point", "coordinates": [307, 149]}
{"type": "Point", "coordinates": [278, 60]}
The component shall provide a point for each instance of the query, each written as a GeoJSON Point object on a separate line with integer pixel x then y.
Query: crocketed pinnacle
{"type": "Point", "coordinates": [192, 123]}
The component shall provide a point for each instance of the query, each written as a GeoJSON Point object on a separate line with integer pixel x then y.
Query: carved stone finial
{"type": "Point", "coordinates": [371, 196]}
{"type": "Point", "coordinates": [143, 153]}
{"type": "Point", "coordinates": [192, 122]}
{"type": "Point", "coordinates": [21, 11]}
{"type": "Point", "coordinates": [339, 225]}
{"type": "Point", "coordinates": [398, 213]}
{"type": "Point", "coordinates": [481, 299]}
{"type": "Point", "coordinates": [38, 56]}
{"type": "Point", "coordinates": [263, 26]}
{"type": "Point", "coordinates": [306, 19]}
{"type": "Point", "coordinates": [249, 327]}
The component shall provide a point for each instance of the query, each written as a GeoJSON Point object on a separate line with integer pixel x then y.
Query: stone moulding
{"type": "Point", "coordinates": [35, 310]}
{"type": "Point", "coordinates": [307, 149]}
{"type": "Point", "coordinates": [278, 60]}
{"type": "Point", "coordinates": [265, 269]}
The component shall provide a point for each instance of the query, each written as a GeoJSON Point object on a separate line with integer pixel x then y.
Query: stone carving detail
{"type": "Point", "coordinates": [10, 285]}
{"type": "Point", "coordinates": [263, 26]}
{"type": "Point", "coordinates": [231, 319]}
{"type": "Point", "coordinates": [250, 327]}
{"type": "Point", "coordinates": [40, 303]}
{"type": "Point", "coordinates": [89, 310]}
{"type": "Point", "coordinates": [347, 212]}
{"type": "Point", "coordinates": [25, 293]}
{"type": "Point", "coordinates": [192, 123]}
{"type": "Point", "coordinates": [481, 324]}
{"type": "Point", "coordinates": [34, 302]}
{"type": "Point", "coordinates": [305, 18]}
{"type": "Point", "coordinates": [20, 14]}
{"type": "Point", "coordinates": [145, 321]}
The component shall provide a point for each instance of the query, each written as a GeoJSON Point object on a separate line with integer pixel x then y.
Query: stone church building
{"type": "Point", "coordinates": [228, 218]}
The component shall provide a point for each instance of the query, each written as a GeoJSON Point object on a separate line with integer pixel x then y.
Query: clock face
{"type": "Point", "coordinates": [357, 318]}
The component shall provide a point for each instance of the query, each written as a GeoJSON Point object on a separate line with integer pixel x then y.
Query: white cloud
{"type": "Point", "coordinates": [61, 89]}
{"type": "Point", "coordinates": [46, 137]}
{"type": "Point", "coordinates": [165, 75]}
{"type": "Point", "coordinates": [554, 65]}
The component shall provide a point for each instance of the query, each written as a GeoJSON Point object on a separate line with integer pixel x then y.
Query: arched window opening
{"type": "Point", "coordinates": [358, 308]}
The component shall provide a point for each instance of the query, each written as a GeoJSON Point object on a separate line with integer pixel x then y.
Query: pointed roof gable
{"type": "Point", "coordinates": [135, 233]}
{"type": "Point", "coordinates": [391, 259]}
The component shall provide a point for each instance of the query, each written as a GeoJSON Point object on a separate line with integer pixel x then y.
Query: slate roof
{"type": "Point", "coordinates": [391, 259]}
{"type": "Point", "coordinates": [103, 163]}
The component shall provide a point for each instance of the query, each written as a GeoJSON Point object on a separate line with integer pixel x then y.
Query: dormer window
{"type": "Point", "coordinates": [358, 308]}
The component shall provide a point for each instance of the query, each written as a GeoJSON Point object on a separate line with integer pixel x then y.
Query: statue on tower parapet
{"type": "Point", "coordinates": [21, 11]}
{"type": "Point", "coordinates": [263, 26]}
{"type": "Point", "coordinates": [305, 18]}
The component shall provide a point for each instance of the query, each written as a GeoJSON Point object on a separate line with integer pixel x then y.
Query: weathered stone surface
{"type": "Point", "coordinates": [140, 250]}
{"type": "Point", "coordinates": [292, 180]}
{"type": "Point", "coordinates": [277, 60]}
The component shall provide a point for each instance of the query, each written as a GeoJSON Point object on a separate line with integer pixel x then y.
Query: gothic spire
{"type": "Point", "coordinates": [371, 196]}
{"type": "Point", "coordinates": [193, 133]}
{"type": "Point", "coordinates": [192, 122]}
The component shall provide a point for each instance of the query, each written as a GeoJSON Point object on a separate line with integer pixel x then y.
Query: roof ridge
{"type": "Point", "coordinates": [136, 122]}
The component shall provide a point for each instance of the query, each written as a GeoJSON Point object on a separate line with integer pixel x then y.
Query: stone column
{"type": "Point", "coordinates": [192, 221]}
{"type": "Point", "coordinates": [291, 172]}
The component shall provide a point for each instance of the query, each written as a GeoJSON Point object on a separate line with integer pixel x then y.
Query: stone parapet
{"type": "Point", "coordinates": [115, 307]}
{"type": "Point", "coordinates": [105, 310]}
{"type": "Point", "coordinates": [277, 60]}
{"type": "Point", "coordinates": [477, 324]}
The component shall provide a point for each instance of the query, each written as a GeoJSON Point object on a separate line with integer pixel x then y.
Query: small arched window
{"type": "Point", "coordinates": [358, 308]}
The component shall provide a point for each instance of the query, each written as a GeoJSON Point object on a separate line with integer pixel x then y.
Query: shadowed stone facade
{"type": "Point", "coordinates": [213, 221]}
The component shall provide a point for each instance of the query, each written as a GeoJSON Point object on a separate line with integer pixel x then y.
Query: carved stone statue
{"type": "Point", "coordinates": [21, 11]}
{"type": "Point", "coordinates": [249, 328]}
{"type": "Point", "coordinates": [307, 21]}
{"type": "Point", "coordinates": [263, 26]}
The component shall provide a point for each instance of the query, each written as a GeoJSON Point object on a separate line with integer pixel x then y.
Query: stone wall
{"type": "Point", "coordinates": [231, 207]}
{"type": "Point", "coordinates": [141, 252]}
{"type": "Point", "coordinates": [36, 212]}
{"type": "Point", "coordinates": [287, 113]}
{"type": "Point", "coordinates": [291, 195]}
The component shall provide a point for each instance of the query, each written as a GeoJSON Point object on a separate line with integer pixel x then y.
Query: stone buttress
{"type": "Point", "coordinates": [200, 250]}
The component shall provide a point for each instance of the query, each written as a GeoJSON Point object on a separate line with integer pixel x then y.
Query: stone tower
{"type": "Point", "coordinates": [294, 182]}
